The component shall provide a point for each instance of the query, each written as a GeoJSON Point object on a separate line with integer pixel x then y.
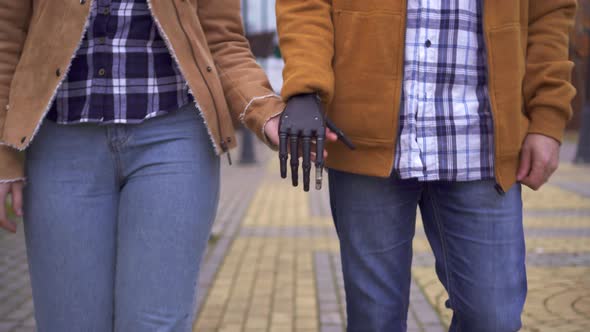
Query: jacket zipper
{"type": "Point", "coordinates": [497, 185]}
{"type": "Point", "coordinates": [222, 143]}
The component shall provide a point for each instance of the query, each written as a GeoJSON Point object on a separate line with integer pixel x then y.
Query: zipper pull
{"type": "Point", "coordinates": [229, 158]}
{"type": "Point", "coordinates": [226, 150]}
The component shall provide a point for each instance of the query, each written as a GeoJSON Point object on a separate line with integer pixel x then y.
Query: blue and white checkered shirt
{"type": "Point", "coordinates": [446, 125]}
{"type": "Point", "coordinates": [123, 71]}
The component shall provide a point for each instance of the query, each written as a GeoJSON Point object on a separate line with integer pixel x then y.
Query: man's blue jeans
{"type": "Point", "coordinates": [117, 218]}
{"type": "Point", "coordinates": [476, 234]}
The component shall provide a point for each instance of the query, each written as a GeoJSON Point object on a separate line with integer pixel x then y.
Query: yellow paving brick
{"type": "Point", "coordinates": [231, 328]}
{"type": "Point", "coordinates": [557, 301]}
{"type": "Point", "coordinates": [558, 245]}
{"type": "Point", "coordinates": [279, 328]}
{"type": "Point", "coordinates": [557, 222]}
{"type": "Point", "coordinates": [267, 283]}
{"type": "Point", "coordinates": [570, 171]}
{"type": "Point", "coordinates": [551, 197]}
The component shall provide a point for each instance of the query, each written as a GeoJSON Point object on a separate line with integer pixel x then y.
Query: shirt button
{"type": "Point", "coordinates": [428, 43]}
{"type": "Point", "coordinates": [102, 40]}
{"type": "Point", "coordinates": [101, 72]}
{"type": "Point", "coordinates": [106, 11]}
{"type": "Point", "coordinates": [209, 69]}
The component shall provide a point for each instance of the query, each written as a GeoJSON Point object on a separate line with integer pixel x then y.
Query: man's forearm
{"type": "Point", "coordinates": [306, 35]}
{"type": "Point", "coordinates": [547, 89]}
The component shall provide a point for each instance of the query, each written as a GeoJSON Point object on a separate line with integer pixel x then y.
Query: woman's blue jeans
{"type": "Point", "coordinates": [117, 219]}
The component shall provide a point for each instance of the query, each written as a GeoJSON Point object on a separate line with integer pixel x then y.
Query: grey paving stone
{"type": "Point", "coordinates": [24, 329]}
{"type": "Point", "coordinates": [332, 318]}
{"type": "Point", "coordinates": [433, 328]}
{"type": "Point", "coordinates": [557, 232]}
{"type": "Point", "coordinates": [29, 322]}
{"type": "Point", "coordinates": [20, 314]}
{"type": "Point", "coordinates": [8, 305]}
{"type": "Point", "coordinates": [579, 188]}
{"type": "Point", "coordinates": [319, 201]}
{"type": "Point", "coordinates": [285, 231]}
{"type": "Point", "coordinates": [332, 328]}
{"type": "Point", "coordinates": [557, 213]}
{"type": "Point", "coordinates": [420, 313]}
{"type": "Point", "coordinates": [7, 326]}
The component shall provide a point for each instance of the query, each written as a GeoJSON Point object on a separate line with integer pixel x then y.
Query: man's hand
{"type": "Point", "coordinates": [271, 129]}
{"type": "Point", "coordinates": [301, 132]}
{"type": "Point", "coordinates": [539, 158]}
{"type": "Point", "coordinates": [15, 189]}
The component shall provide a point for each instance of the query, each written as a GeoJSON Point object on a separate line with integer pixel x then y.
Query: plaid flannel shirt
{"type": "Point", "coordinates": [123, 71]}
{"type": "Point", "coordinates": [446, 125]}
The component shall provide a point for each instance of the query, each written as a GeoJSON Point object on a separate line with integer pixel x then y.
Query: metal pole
{"type": "Point", "coordinates": [247, 155]}
{"type": "Point", "coordinates": [583, 152]}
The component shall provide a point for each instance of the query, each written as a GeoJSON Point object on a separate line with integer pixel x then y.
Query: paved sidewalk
{"type": "Point", "coordinates": [273, 262]}
{"type": "Point", "coordinates": [282, 271]}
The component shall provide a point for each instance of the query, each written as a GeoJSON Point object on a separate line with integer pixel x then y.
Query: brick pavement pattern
{"type": "Point", "coordinates": [282, 272]}
{"type": "Point", "coordinates": [273, 262]}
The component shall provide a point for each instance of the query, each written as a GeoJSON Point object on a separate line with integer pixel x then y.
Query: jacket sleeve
{"type": "Point", "coordinates": [249, 95]}
{"type": "Point", "coordinates": [306, 37]}
{"type": "Point", "coordinates": [14, 25]}
{"type": "Point", "coordinates": [547, 89]}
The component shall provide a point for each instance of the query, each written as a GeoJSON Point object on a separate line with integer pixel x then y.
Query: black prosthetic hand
{"type": "Point", "coordinates": [302, 125]}
{"type": "Point", "coordinates": [301, 122]}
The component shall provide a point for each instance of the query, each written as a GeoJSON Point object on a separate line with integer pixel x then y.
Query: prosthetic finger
{"type": "Point", "coordinates": [295, 160]}
{"type": "Point", "coordinates": [319, 162]}
{"type": "Point", "coordinates": [306, 162]}
{"type": "Point", "coordinates": [283, 154]}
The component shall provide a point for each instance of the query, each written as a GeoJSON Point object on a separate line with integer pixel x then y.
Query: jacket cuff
{"type": "Point", "coordinates": [259, 111]}
{"type": "Point", "coordinates": [548, 122]}
{"type": "Point", "coordinates": [11, 165]}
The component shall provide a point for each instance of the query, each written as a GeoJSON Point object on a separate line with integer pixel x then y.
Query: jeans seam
{"type": "Point", "coordinates": [115, 150]}
{"type": "Point", "coordinates": [444, 254]}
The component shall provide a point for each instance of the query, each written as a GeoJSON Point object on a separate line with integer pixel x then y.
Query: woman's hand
{"type": "Point", "coordinates": [15, 189]}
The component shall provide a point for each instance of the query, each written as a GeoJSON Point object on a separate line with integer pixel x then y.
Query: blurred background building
{"type": "Point", "coordinates": [260, 25]}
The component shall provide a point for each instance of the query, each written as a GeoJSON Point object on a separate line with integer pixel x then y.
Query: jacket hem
{"type": "Point", "coordinates": [12, 146]}
{"type": "Point", "coordinates": [5, 181]}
